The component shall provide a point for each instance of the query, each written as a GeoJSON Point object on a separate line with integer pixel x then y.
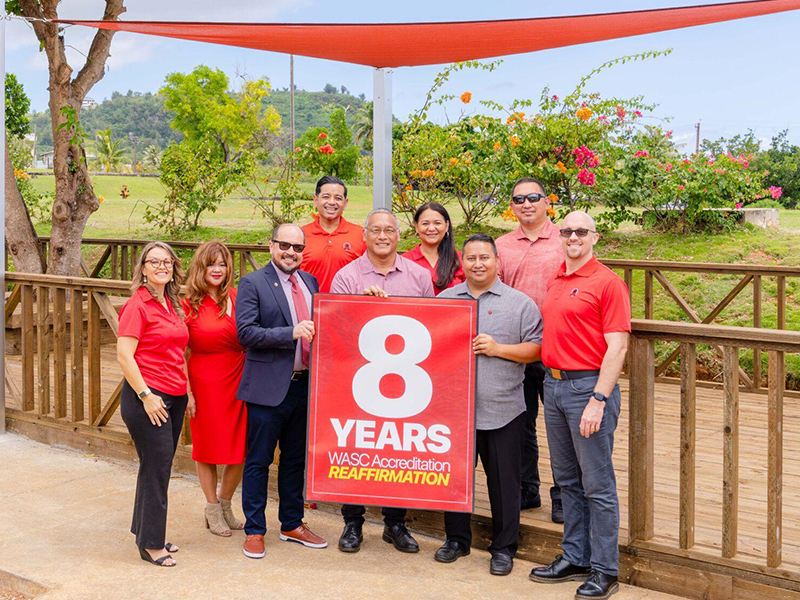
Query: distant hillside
{"type": "Point", "coordinates": [144, 116]}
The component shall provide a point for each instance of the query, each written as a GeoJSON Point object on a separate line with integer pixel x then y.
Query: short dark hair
{"type": "Point", "coordinates": [480, 237]}
{"type": "Point", "coordinates": [330, 179]}
{"type": "Point", "coordinates": [527, 180]}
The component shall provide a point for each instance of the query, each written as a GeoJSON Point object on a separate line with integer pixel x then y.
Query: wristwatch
{"type": "Point", "coordinates": [599, 397]}
{"type": "Point", "coordinates": [144, 393]}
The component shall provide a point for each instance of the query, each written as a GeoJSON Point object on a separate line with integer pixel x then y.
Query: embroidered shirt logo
{"type": "Point", "coordinates": [573, 292]}
{"type": "Point", "coordinates": [347, 246]}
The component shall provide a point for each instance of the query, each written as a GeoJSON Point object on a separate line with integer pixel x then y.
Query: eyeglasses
{"type": "Point", "coordinates": [284, 246]}
{"type": "Point", "coordinates": [390, 231]}
{"type": "Point", "coordinates": [532, 198]}
{"type": "Point", "coordinates": [155, 262]}
{"type": "Point", "coordinates": [581, 233]}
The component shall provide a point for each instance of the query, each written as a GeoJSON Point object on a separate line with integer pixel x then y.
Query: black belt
{"type": "Point", "coordinates": [559, 374]}
{"type": "Point", "coordinates": [298, 375]}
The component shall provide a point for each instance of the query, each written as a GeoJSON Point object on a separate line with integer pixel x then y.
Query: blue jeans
{"type": "Point", "coordinates": [584, 470]}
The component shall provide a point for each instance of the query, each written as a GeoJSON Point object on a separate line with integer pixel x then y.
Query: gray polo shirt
{"type": "Point", "coordinates": [510, 317]}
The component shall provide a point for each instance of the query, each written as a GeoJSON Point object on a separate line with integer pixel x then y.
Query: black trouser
{"type": "Point", "coordinates": [500, 451]}
{"type": "Point", "coordinates": [156, 448]}
{"type": "Point", "coordinates": [354, 513]}
{"type": "Point", "coordinates": [533, 385]}
{"type": "Point", "coordinates": [266, 427]}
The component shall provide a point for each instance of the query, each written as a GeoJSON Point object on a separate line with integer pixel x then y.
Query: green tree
{"type": "Point", "coordinates": [363, 126]}
{"type": "Point", "coordinates": [152, 156]}
{"type": "Point", "coordinates": [205, 110]}
{"type": "Point", "coordinates": [109, 153]}
{"type": "Point", "coordinates": [329, 151]}
{"type": "Point", "coordinates": [17, 106]}
{"type": "Point", "coordinates": [782, 165]}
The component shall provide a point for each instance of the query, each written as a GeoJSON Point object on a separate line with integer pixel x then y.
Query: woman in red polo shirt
{"type": "Point", "coordinates": [215, 365]}
{"type": "Point", "coordinates": [437, 248]}
{"type": "Point", "coordinates": [150, 349]}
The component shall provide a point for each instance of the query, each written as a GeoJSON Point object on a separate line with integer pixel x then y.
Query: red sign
{"type": "Point", "coordinates": [392, 402]}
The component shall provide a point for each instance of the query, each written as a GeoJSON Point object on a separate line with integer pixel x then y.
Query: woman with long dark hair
{"type": "Point", "coordinates": [437, 248]}
{"type": "Point", "coordinates": [150, 349]}
{"type": "Point", "coordinates": [215, 365]}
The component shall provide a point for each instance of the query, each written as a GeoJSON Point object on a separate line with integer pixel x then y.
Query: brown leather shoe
{"type": "Point", "coordinates": [254, 546]}
{"type": "Point", "coordinates": [303, 535]}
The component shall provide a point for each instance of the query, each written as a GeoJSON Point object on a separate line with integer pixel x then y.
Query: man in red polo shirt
{"type": "Point", "coordinates": [331, 241]}
{"type": "Point", "coordinates": [529, 257]}
{"type": "Point", "coordinates": [587, 319]}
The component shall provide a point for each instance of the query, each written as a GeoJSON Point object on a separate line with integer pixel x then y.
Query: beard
{"type": "Point", "coordinates": [285, 269]}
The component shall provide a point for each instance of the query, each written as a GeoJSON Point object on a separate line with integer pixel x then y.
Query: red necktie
{"type": "Point", "coordinates": [301, 310]}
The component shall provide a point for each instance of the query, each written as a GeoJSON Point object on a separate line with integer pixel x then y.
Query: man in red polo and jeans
{"type": "Point", "coordinates": [587, 319]}
{"type": "Point", "coordinates": [528, 258]}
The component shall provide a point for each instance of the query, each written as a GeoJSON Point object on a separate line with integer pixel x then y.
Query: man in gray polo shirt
{"type": "Point", "coordinates": [509, 337]}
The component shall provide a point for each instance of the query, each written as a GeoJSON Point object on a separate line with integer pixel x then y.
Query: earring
{"type": "Point", "coordinates": [144, 278]}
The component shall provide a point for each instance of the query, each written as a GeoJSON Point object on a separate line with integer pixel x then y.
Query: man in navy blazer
{"type": "Point", "coordinates": [273, 309]}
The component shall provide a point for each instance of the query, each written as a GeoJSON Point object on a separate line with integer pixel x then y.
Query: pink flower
{"type": "Point", "coordinates": [557, 149]}
{"type": "Point", "coordinates": [603, 119]}
{"type": "Point", "coordinates": [669, 133]}
{"type": "Point", "coordinates": [686, 161]}
{"type": "Point", "coordinates": [775, 192]}
{"type": "Point", "coordinates": [555, 97]}
{"type": "Point", "coordinates": [643, 154]}
{"type": "Point", "coordinates": [584, 156]}
{"type": "Point", "coordinates": [738, 205]}
{"type": "Point", "coordinates": [297, 149]}
{"type": "Point", "coordinates": [586, 177]}
{"type": "Point", "coordinates": [668, 167]}
{"type": "Point", "coordinates": [681, 187]}
{"type": "Point", "coordinates": [637, 113]}
{"type": "Point", "coordinates": [322, 136]}
{"type": "Point", "coordinates": [620, 112]}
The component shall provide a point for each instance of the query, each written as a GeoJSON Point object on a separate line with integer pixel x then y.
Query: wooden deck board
{"type": "Point", "coordinates": [752, 536]}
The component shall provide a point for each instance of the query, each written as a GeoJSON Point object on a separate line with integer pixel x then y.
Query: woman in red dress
{"type": "Point", "coordinates": [215, 364]}
{"type": "Point", "coordinates": [437, 248]}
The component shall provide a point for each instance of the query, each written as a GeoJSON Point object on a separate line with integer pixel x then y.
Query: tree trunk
{"type": "Point", "coordinates": [21, 239]}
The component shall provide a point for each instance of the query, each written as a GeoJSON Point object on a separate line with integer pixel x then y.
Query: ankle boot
{"type": "Point", "coordinates": [227, 512]}
{"type": "Point", "coordinates": [215, 521]}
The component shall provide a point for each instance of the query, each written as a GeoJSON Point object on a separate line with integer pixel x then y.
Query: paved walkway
{"type": "Point", "coordinates": [64, 519]}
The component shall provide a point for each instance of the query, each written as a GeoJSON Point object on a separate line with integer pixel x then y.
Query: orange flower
{"type": "Point", "coordinates": [466, 97]}
{"type": "Point", "coordinates": [551, 212]}
{"type": "Point", "coordinates": [561, 167]}
{"type": "Point", "coordinates": [453, 162]}
{"type": "Point", "coordinates": [508, 215]}
{"type": "Point", "coordinates": [409, 187]}
{"type": "Point", "coordinates": [553, 198]}
{"type": "Point", "coordinates": [584, 113]}
{"type": "Point", "coordinates": [514, 141]}
{"type": "Point", "coordinates": [497, 146]}
{"type": "Point", "coordinates": [322, 136]}
{"type": "Point", "coordinates": [100, 199]}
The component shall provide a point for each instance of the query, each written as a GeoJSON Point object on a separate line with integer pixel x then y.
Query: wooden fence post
{"type": "Point", "coordinates": [641, 491]}
{"type": "Point", "coordinates": [756, 323]}
{"type": "Point", "coordinates": [94, 357]}
{"type": "Point", "coordinates": [28, 393]}
{"type": "Point", "coordinates": [76, 329]}
{"type": "Point", "coordinates": [43, 347]}
{"type": "Point", "coordinates": [776, 383]}
{"type": "Point", "coordinates": [730, 452]}
{"type": "Point", "coordinates": [687, 452]}
{"type": "Point", "coordinates": [59, 352]}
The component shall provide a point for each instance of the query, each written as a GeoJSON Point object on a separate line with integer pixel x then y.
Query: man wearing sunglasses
{"type": "Point", "coordinates": [587, 319]}
{"type": "Point", "coordinates": [529, 257]}
{"type": "Point", "coordinates": [273, 322]}
{"type": "Point", "coordinates": [381, 272]}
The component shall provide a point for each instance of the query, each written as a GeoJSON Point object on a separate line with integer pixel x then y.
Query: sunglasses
{"type": "Point", "coordinates": [284, 246]}
{"type": "Point", "coordinates": [581, 233]}
{"type": "Point", "coordinates": [532, 198]}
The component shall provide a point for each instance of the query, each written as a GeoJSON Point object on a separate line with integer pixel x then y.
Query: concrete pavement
{"type": "Point", "coordinates": [65, 518]}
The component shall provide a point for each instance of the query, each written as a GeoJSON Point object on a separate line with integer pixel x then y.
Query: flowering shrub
{"type": "Point", "coordinates": [329, 151]}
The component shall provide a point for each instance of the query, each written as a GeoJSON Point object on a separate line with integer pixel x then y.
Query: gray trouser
{"type": "Point", "coordinates": [583, 468]}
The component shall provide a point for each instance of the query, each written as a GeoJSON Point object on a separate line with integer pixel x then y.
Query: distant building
{"type": "Point", "coordinates": [89, 103]}
{"type": "Point", "coordinates": [47, 159]}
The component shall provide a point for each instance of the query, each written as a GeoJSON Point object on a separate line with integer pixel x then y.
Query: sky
{"type": "Point", "coordinates": [728, 76]}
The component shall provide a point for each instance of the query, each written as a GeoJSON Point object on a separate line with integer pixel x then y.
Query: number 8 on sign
{"type": "Point", "coordinates": [418, 385]}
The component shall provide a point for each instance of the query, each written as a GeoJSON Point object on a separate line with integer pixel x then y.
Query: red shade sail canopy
{"type": "Point", "coordinates": [412, 44]}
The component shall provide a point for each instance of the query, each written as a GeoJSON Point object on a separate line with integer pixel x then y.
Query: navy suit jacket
{"type": "Point", "coordinates": [264, 326]}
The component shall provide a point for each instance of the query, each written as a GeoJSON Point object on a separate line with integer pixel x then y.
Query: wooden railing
{"type": "Point", "coordinates": [52, 314]}
{"type": "Point", "coordinates": [642, 432]}
{"type": "Point", "coordinates": [748, 276]}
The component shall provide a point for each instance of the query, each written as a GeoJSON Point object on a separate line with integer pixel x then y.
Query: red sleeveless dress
{"type": "Point", "coordinates": [216, 362]}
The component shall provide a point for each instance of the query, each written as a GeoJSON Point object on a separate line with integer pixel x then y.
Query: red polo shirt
{"type": "Point", "coordinates": [326, 253]}
{"type": "Point", "coordinates": [415, 255]}
{"type": "Point", "coordinates": [162, 337]}
{"type": "Point", "coordinates": [577, 311]}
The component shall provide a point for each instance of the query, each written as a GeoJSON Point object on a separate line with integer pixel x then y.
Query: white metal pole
{"type": "Point", "coordinates": [3, 216]}
{"type": "Point", "coordinates": [382, 138]}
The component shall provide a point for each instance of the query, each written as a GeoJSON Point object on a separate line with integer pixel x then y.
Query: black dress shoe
{"type": "Point", "coordinates": [598, 587]}
{"type": "Point", "coordinates": [351, 538]}
{"type": "Point", "coordinates": [530, 499]}
{"type": "Point", "coordinates": [556, 508]}
{"type": "Point", "coordinates": [501, 564]}
{"type": "Point", "coordinates": [559, 570]}
{"type": "Point", "coordinates": [399, 536]}
{"type": "Point", "coordinates": [450, 552]}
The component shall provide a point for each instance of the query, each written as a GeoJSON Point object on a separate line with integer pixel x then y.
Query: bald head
{"type": "Point", "coordinates": [284, 228]}
{"type": "Point", "coordinates": [578, 219]}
